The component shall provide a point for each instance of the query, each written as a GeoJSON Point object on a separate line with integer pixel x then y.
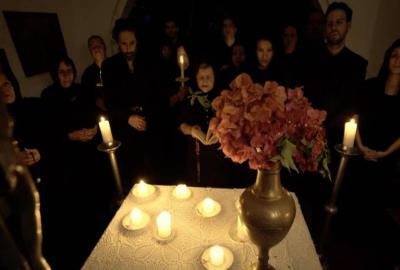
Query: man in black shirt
{"type": "Point", "coordinates": [335, 72]}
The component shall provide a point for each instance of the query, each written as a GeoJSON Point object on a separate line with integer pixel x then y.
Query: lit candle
{"type": "Point", "coordinates": [105, 130]}
{"type": "Point", "coordinates": [143, 189]}
{"type": "Point", "coordinates": [182, 192]}
{"type": "Point", "coordinates": [136, 216]}
{"type": "Point", "coordinates": [181, 64]}
{"type": "Point", "coordinates": [216, 255]}
{"type": "Point", "coordinates": [208, 206]}
{"type": "Point", "coordinates": [350, 129]}
{"type": "Point", "coordinates": [164, 224]}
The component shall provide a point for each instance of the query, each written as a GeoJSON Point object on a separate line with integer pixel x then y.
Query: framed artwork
{"type": "Point", "coordinates": [37, 38]}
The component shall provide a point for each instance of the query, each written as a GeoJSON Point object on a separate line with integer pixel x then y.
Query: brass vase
{"type": "Point", "coordinates": [268, 210]}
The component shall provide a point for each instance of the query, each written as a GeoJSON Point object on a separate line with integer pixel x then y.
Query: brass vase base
{"type": "Point", "coordinates": [254, 266]}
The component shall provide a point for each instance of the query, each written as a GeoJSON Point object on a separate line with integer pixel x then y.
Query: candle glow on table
{"type": "Point", "coordinates": [182, 192]}
{"type": "Point", "coordinates": [181, 64]}
{"type": "Point", "coordinates": [350, 129]}
{"type": "Point", "coordinates": [216, 255]}
{"type": "Point", "coordinates": [164, 224]}
{"type": "Point", "coordinates": [105, 130]}
{"type": "Point", "coordinates": [136, 216]}
{"type": "Point", "coordinates": [208, 206]}
{"type": "Point", "coordinates": [241, 229]}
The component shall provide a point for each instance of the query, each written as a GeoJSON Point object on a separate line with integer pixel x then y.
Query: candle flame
{"type": "Point", "coordinates": [181, 59]}
{"type": "Point", "coordinates": [102, 118]}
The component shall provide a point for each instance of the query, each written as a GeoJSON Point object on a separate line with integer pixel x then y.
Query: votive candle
{"type": "Point", "coordinates": [216, 255]}
{"type": "Point", "coordinates": [136, 216]}
{"type": "Point", "coordinates": [164, 224]}
{"type": "Point", "coordinates": [208, 206]}
{"type": "Point", "coordinates": [182, 192]}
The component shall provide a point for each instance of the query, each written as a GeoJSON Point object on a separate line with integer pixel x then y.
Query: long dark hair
{"type": "Point", "coordinates": [54, 71]}
{"type": "Point", "coordinates": [384, 71]}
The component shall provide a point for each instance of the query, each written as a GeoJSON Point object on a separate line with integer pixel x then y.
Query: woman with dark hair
{"type": "Point", "coordinates": [265, 68]}
{"type": "Point", "coordinates": [79, 192]}
{"type": "Point", "coordinates": [379, 131]}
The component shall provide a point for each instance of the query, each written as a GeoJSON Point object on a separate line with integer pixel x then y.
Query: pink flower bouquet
{"type": "Point", "coordinates": [267, 124]}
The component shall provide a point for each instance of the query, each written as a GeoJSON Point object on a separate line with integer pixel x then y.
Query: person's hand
{"type": "Point", "coordinates": [83, 135]}
{"type": "Point", "coordinates": [211, 138]}
{"type": "Point", "coordinates": [186, 129]}
{"type": "Point", "coordinates": [30, 156]}
{"type": "Point", "coordinates": [375, 155]}
{"type": "Point", "coordinates": [198, 134]}
{"type": "Point", "coordinates": [137, 122]}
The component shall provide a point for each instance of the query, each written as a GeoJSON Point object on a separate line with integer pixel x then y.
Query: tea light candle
{"type": "Point", "coordinates": [136, 216]}
{"type": "Point", "coordinates": [350, 129]}
{"type": "Point", "coordinates": [208, 206]}
{"type": "Point", "coordinates": [182, 192]}
{"type": "Point", "coordinates": [143, 189]}
{"type": "Point", "coordinates": [164, 224]}
{"type": "Point", "coordinates": [216, 255]}
{"type": "Point", "coordinates": [181, 64]}
{"type": "Point", "coordinates": [105, 130]}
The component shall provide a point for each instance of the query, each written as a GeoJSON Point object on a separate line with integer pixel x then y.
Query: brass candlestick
{"type": "Point", "coordinates": [182, 80]}
{"type": "Point", "coordinates": [330, 207]}
{"type": "Point", "coordinates": [110, 149]}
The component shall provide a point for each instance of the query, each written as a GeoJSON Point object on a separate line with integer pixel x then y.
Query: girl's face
{"type": "Point", "coordinates": [7, 93]}
{"type": "Point", "coordinates": [205, 79]}
{"type": "Point", "coordinates": [264, 53]}
{"type": "Point", "coordinates": [238, 55]}
{"type": "Point", "coordinates": [394, 62]}
{"type": "Point", "coordinates": [65, 75]}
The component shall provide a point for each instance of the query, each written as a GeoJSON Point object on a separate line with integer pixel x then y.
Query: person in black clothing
{"type": "Point", "coordinates": [335, 72]}
{"type": "Point", "coordinates": [291, 58]}
{"type": "Point", "coordinates": [205, 164]}
{"type": "Point", "coordinates": [238, 65]}
{"type": "Point", "coordinates": [266, 68]}
{"type": "Point", "coordinates": [80, 191]}
{"type": "Point", "coordinates": [379, 134]}
{"type": "Point", "coordinates": [28, 126]}
{"type": "Point", "coordinates": [127, 84]}
{"type": "Point", "coordinates": [92, 78]}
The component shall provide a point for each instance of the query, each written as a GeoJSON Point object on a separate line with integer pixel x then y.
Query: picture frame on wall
{"type": "Point", "coordinates": [37, 38]}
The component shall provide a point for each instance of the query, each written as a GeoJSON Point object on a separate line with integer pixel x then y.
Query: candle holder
{"type": "Point", "coordinates": [330, 207]}
{"type": "Point", "coordinates": [178, 195]}
{"type": "Point", "coordinates": [215, 211]}
{"type": "Point", "coordinates": [163, 240]}
{"type": "Point", "coordinates": [127, 223]}
{"type": "Point", "coordinates": [182, 80]}
{"type": "Point", "coordinates": [110, 149]}
{"type": "Point", "coordinates": [206, 260]}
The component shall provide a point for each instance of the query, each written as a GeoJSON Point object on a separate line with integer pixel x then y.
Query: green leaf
{"type": "Point", "coordinates": [287, 155]}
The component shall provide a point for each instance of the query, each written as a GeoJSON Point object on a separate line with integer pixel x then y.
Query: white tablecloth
{"type": "Point", "coordinates": [122, 249]}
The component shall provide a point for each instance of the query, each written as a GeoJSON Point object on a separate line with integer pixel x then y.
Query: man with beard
{"type": "Point", "coordinates": [335, 72]}
{"type": "Point", "coordinates": [127, 93]}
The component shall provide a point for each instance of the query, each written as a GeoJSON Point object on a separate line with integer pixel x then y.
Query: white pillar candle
{"type": "Point", "coordinates": [181, 64]}
{"type": "Point", "coordinates": [105, 130]}
{"type": "Point", "coordinates": [182, 192]}
{"type": "Point", "coordinates": [164, 224]}
{"type": "Point", "coordinates": [143, 189]}
{"type": "Point", "coordinates": [216, 255]}
{"type": "Point", "coordinates": [208, 206]}
{"type": "Point", "coordinates": [350, 129]}
{"type": "Point", "coordinates": [136, 216]}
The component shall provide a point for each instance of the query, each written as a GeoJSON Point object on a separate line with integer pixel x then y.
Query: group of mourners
{"type": "Point", "coordinates": [160, 121]}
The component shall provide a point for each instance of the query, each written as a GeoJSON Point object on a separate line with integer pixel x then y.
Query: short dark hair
{"type": "Point", "coordinates": [122, 25]}
{"type": "Point", "coordinates": [92, 37]}
{"type": "Point", "coordinates": [340, 6]}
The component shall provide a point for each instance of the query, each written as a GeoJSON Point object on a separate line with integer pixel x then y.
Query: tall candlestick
{"type": "Point", "coordinates": [216, 255]}
{"type": "Point", "coordinates": [350, 129]}
{"type": "Point", "coordinates": [181, 64]}
{"type": "Point", "coordinates": [105, 131]}
{"type": "Point", "coordinates": [164, 224]}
